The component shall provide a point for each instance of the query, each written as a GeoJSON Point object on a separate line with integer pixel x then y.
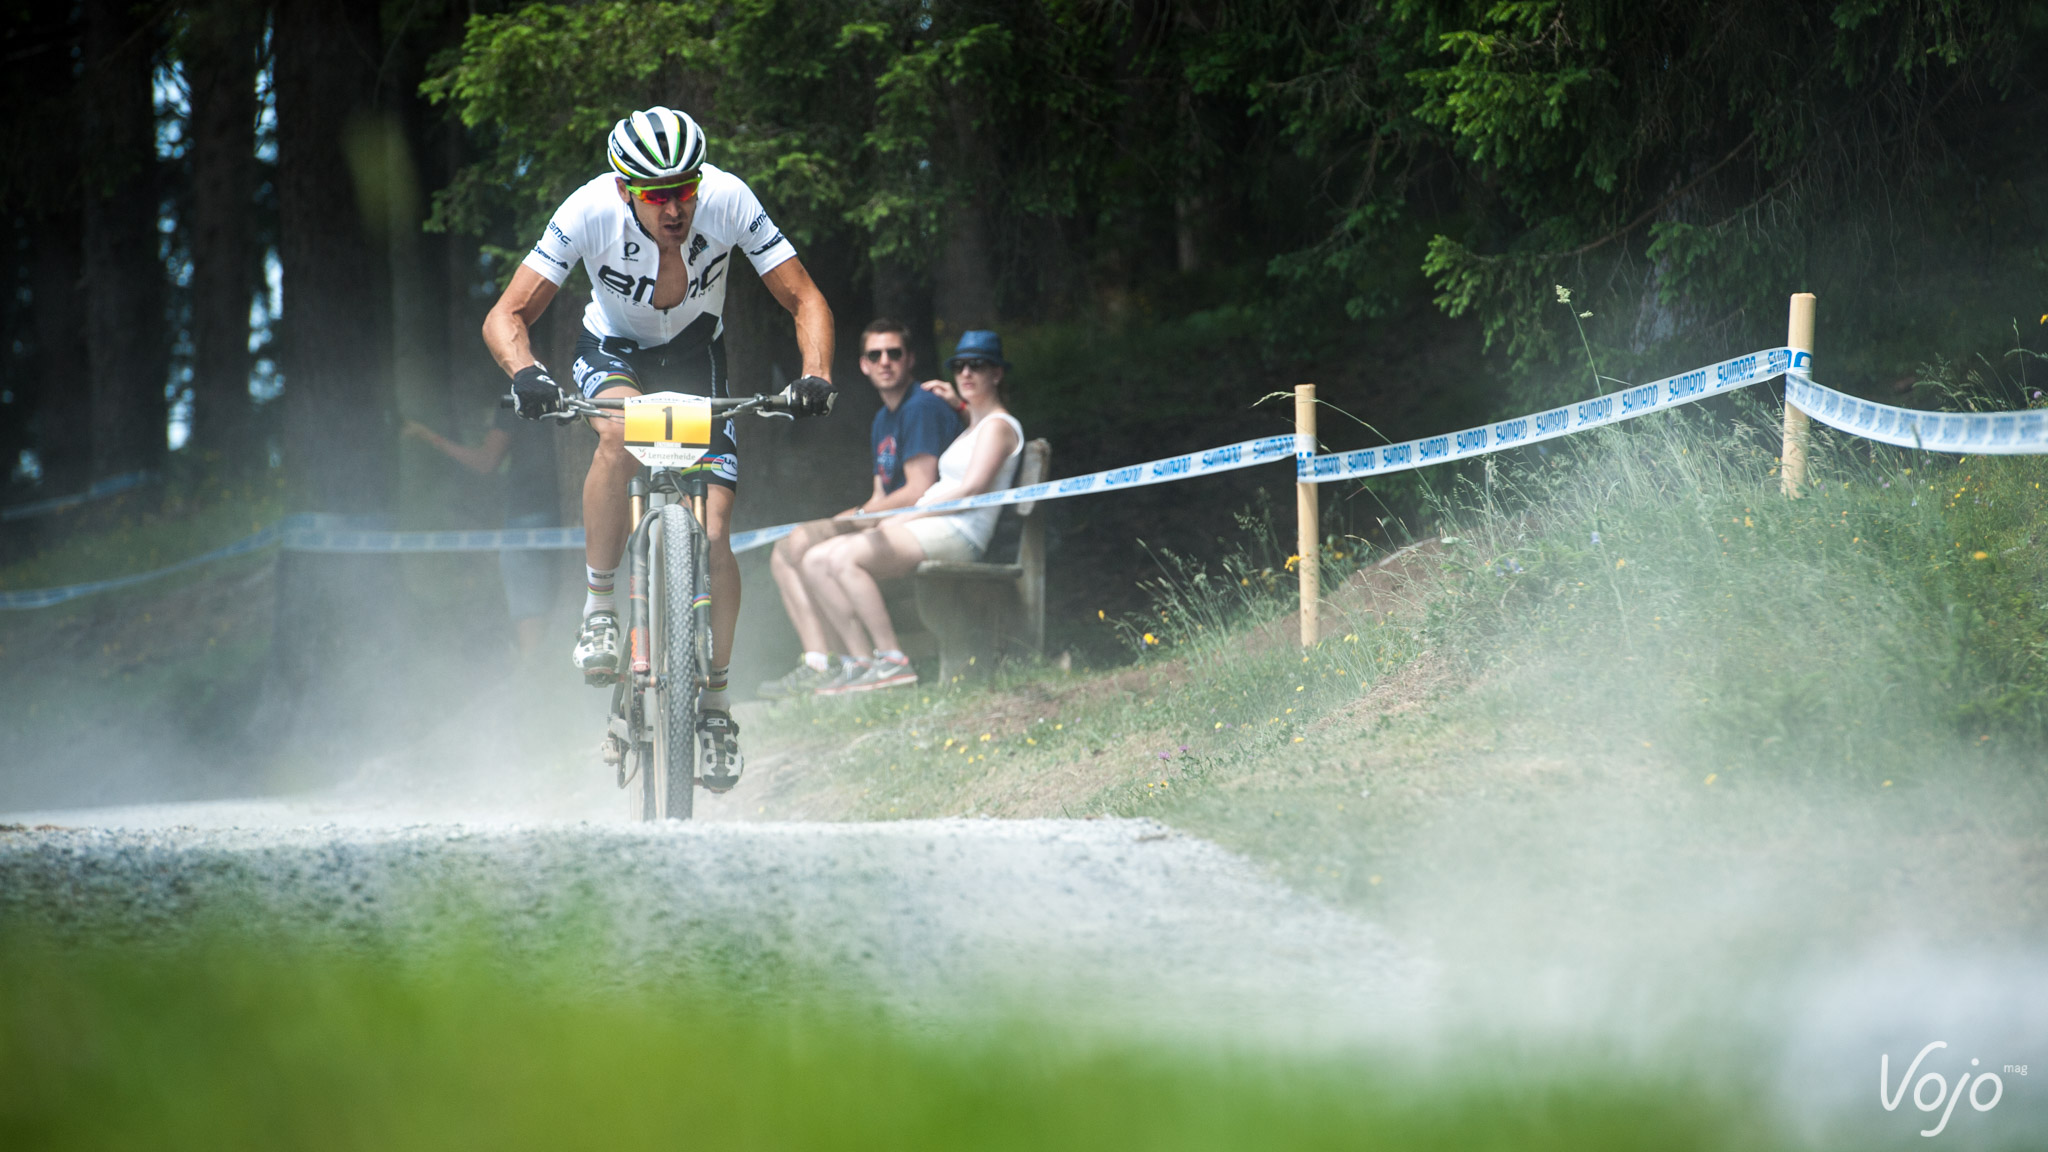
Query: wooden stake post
{"type": "Point", "coordinates": [1792, 457]}
{"type": "Point", "coordinates": [1307, 516]}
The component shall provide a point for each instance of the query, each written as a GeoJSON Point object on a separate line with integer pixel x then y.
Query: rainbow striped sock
{"type": "Point", "coordinates": [597, 590]}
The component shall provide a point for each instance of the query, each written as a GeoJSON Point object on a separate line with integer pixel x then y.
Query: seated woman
{"type": "Point", "coordinates": [842, 572]}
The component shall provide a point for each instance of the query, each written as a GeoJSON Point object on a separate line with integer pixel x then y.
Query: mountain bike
{"type": "Point", "coordinates": [651, 738]}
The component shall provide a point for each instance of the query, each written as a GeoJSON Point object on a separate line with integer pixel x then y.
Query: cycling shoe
{"type": "Point", "coordinates": [597, 649]}
{"type": "Point", "coordinates": [718, 744]}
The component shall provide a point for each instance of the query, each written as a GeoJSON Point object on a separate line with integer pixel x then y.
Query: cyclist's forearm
{"type": "Point", "coordinates": [509, 340]}
{"type": "Point", "coordinates": [508, 327]}
{"type": "Point", "coordinates": [814, 336]}
{"type": "Point", "coordinates": [792, 288]}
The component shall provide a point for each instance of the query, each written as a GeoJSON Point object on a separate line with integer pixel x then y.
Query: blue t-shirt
{"type": "Point", "coordinates": [920, 426]}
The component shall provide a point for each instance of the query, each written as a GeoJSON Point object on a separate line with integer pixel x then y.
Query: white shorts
{"type": "Point", "coordinates": [941, 540]}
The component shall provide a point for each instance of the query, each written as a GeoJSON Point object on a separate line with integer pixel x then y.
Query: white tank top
{"type": "Point", "coordinates": [977, 524]}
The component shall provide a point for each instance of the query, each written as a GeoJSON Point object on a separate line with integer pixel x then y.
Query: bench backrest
{"type": "Point", "coordinates": [1032, 469]}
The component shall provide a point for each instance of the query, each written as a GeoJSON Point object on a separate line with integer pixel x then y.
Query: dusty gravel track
{"type": "Point", "coordinates": [1123, 922]}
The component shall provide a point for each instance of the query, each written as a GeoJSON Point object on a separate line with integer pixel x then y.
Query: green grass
{"type": "Point", "coordinates": [222, 1044]}
{"type": "Point", "coordinates": [1719, 684]}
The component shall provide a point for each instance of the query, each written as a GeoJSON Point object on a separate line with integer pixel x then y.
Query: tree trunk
{"type": "Point", "coordinates": [125, 288]}
{"type": "Point", "coordinates": [63, 418]}
{"type": "Point", "coordinates": [222, 42]}
{"type": "Point", "coordinates": [337, 396]}
{"type": "Point", "coordinates": [964, 282]}
{"type": "Point", "coordinates": [337, 614]}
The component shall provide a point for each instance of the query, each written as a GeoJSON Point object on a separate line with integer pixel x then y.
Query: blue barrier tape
{"type": "Point", "coordinates": [44, 597]}
{"type": "Point", "coordinates": [2007, 433]}
{"type": "Point", "coordinates": [300, 534]}
{"type": "Point", "coordinates": [1975, 433]}
{"type": "Point", "coordinates": [1229, 458]}
{"type": "Point", "coordinates": [301, 537]}
{"type": "Point", "coordinates": [746, 541]}
{"type": "Point", "coordinates": [1613, 408]}
{"type": "Point", "coordinates": [99, 490]}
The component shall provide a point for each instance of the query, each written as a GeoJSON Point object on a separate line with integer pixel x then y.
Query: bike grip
{"type": "Point", "coordinates": [508, 401]}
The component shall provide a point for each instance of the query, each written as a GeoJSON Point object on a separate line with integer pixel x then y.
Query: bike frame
{"type": "Point", "coordinates": [637, 732]}
{"type": "Point", "coordinates": [638, 698]}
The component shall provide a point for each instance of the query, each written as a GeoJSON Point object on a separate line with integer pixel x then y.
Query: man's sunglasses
{"type": "Point", "coordinates": [875, 355]}
{"type": "Point", "coordinates": [679, 193]}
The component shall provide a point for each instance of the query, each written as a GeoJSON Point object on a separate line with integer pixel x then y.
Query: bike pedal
{"type": "Point", "coordinates": [717, 784]}
{"type": "Point", "coordinates": [600, 677]}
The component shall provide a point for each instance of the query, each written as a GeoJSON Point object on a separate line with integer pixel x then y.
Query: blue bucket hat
{"type": "Point", "coordinates": [978, 344]}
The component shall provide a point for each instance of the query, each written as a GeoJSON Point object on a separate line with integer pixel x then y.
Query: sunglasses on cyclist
{"type": "Point", "coordinates": [679, 193]}
{"type": "Point", "coordinates": [875, 355]}
{"type": "Point", "coordinates": [960, 366]}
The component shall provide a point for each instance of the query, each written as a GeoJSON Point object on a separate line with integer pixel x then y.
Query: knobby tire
{"type": "Point", "coordinates": [672, 709]}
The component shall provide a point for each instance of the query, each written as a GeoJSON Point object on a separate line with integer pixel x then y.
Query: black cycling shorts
{"type": "Point", "coordinates": [687, 364]}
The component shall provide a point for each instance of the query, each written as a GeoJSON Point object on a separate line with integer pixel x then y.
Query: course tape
{"type": "Point", "coordinates": [2006, 433]}
{"type": "Point", "coordinates": [44, 597]}
{"type": "Point", "coordinates": [1976, 433]}
{"type": "Point", "coordinates": [303, 534]}
{"type": "Point", "coordinates": [1613, 408]}
{"type": "Point", "coordinates": [1229, 458]}
{"type": "Point", "coordinates": [99, 490]}
{"type": "Point", "coordinates": [300, 536]}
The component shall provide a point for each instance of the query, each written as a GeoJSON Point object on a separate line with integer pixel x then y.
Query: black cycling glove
{"type": "Point", "coordinates": [534, 393]}
{"type": "Point", "coordinates": [810, 396]}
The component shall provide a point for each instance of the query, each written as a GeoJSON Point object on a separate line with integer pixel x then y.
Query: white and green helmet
{"type": "Point", "coordinates": [656, 144]}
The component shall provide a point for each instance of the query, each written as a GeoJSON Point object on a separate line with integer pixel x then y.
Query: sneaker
{"type": "Point", "coordinates": [718, 746]}
{"type": "Point", "coordinates": [800, 681]}
{"type": "Point", "coordinates": [842, 680]}
{"type": "Point", "coordinates": [883, 673]}
{"type": "Point", "coordinates": [597, 649]}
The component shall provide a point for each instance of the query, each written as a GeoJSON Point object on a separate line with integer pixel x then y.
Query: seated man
{"type": "Point", "coordinates": [910, 431]}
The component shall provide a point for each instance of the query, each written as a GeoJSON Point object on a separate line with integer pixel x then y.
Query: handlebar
{"type": "Point", "coordinates": [576, 407]}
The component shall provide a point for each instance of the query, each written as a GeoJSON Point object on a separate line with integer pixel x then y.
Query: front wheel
{"type": "Point", "coordinates": [672, 704]}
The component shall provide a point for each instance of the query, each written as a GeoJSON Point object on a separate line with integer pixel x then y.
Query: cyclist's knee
{"type": "Point", "coordinates": [611, 435]}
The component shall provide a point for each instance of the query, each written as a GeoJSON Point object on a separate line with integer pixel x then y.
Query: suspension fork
{"type": "Point", "coordinates": [636, 584]}
{"type": "Point", "coordinates": [700, 508]}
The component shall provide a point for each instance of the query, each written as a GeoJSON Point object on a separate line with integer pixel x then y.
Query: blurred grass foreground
{"type": "Point", "coordinates": [225, 1045]}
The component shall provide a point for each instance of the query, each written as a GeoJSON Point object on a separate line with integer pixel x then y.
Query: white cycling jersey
{"type": "Point", "coordinates": [595, 226]}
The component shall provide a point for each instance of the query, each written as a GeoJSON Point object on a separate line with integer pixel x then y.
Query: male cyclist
{"type": "Point", "coordinates": [654, 235]}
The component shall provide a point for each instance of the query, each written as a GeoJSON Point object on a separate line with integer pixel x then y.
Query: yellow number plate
{"type": "Point", "coordinates": [668, 429]}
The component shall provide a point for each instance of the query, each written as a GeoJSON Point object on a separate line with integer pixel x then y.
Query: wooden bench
{"type": "Point", "coordinates": [982, 611]}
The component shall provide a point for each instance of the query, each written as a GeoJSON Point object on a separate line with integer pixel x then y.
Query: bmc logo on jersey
{"type": "Point", "coordinates": [623, 284]}
{"type": "Point", "coordinates": [639, 290]}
